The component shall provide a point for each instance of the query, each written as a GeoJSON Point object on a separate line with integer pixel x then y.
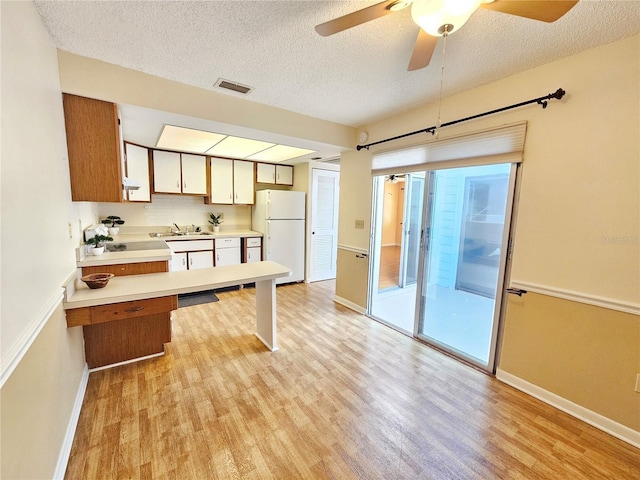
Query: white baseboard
{"type": "Point", "coordinates": [65, 450]}
{"type": "Point", "coordinates": [601, 422]}
{"type": "Point", "coordinates": [350, 305]}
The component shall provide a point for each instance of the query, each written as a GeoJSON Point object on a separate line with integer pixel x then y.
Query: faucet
{"type": "Point", "coordinates": [177, 227]}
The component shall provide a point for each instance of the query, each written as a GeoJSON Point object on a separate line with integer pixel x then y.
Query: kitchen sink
{"type": "Point", "coordinates": [179, 234]}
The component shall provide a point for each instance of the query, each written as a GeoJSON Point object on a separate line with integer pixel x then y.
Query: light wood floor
{"type": "Point", "coordinates": [344, 398]}
{"type": "Point", "coordinates": [389, 267]}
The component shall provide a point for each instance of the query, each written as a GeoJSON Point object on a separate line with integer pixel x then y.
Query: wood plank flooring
{"type": "Point", "coordinates": [344, 398]}
{"type": "Point", "coordinates": [389, 267]}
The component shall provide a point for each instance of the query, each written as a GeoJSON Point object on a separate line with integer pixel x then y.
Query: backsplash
{"type": "Point", "coordinates": [170, 209]}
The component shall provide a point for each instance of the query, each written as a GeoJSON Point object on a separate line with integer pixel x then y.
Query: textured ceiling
{"type": "Point", "coordinates": [352, 78]}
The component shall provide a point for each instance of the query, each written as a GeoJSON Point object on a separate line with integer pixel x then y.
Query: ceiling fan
{"type": "Point", "coordinates": [437, 18]}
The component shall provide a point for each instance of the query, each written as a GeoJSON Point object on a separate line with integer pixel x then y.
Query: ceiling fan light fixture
{"type": "Point", "coordinates": [440, 17]}
{"type": "Point", "coordinates": [399, 5]}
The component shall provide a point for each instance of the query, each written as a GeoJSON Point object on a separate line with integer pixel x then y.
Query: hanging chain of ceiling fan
{"type": "Point", "coordinates": [444, 30]}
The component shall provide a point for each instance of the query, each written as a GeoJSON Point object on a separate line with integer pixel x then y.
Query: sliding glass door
{"type": "Point", "coordinates": [449, 230]}
{"type": "Point", "coordinates": [468, 223]}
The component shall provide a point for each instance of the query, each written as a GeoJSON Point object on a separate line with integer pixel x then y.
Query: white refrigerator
{"type": "Point", "coordinates": [280, 216]}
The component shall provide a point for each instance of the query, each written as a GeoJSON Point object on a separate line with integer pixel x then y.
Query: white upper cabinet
{"type": "Point", "coordinates": [243, 183]}
{"type": "Point", "coordinates": [221, 181]}
{"type": "Point", "coordinates": [266, 173]}
{"type": "Point", "coordinates": [284, 175]}
{"type": "Point", "coordinates": [166, 172]}
{"type": "Point", "coordinates": [274, 174]}
{"type": "Point", "coordinates": [179, 173]}
{"type": "Point", "coordinates": [232, 181]}
{"type": "Point", "coordinates": [137, 168]}
{"type": "Point", "coordinates": [194, 174]}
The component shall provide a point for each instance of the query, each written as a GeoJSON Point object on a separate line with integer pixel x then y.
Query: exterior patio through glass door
{"type": "Point", "coordinates": [468, 220]}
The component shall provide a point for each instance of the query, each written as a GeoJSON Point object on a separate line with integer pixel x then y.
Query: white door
{"type": "Point", "coordinates": [194, 174]}
{"type": "Point", "coordinates": [138, 170]}
{"type": "Point", "coordinates": [285, 205]}
{"type": "Point", "coordinates": [284, 244]}
{"type": "Point", "coordinates": [254, 254]}
{"type": "Point", "coordinates": [243, 182]}
{"type": "Point", "coordinates": [200, 260]}
{"type": "Point", "coordinates": [227, 256]}
{"type": "Point", "coordinates": [266, 172]}
{"type": "Point", "coordinates": [178, 262]}
{"type": "Point", "coordinates": [325, 192]}
{"type": "Point", "coordinates": [166, 172]}
{"type": "Point", "coordinates": [221, 181]}
{"type": "Point", "coordinates": [284, 174]}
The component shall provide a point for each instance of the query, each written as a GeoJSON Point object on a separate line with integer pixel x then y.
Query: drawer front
{"type": "Point", "coordinates": [128, 268]}
{"type": "Point", "coordinates": [190, 245]}
{"type": "Point", "coordinates": [227, 242]}
{"type": "Point", "coordinates": [133, 309]}
{"type": "Point", "coordinates": [253, 241]}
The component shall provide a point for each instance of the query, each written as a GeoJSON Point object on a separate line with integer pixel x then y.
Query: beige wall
{"type": "Point", "coordinates": [578, 228]}
{"type": "Point", "coordinates": [40, 379]}
{"type": "Point", "coordinates": [589, 355]}
{"type": "Point", "coordinates": [96, 79]}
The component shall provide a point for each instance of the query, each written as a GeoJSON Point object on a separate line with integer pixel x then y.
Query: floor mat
{"type": "Point", "coordinates": [190, 299]}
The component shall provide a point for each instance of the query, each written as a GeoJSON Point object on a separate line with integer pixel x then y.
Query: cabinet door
{"type": "Point", "coordinates": [284, 174]}
{"type": "Point", "coordinates": [93, 144]}
{"type": "Point", "coordinates": [200, 260]}
{"type": "Point", "coordinates": [266, 173]}
{"type": "Point", "coordinates": [166, 172]}
{"type": "Point", "coordinates": [138, 170]}
{"type": "Point", "coordinates": [254, 254]}
{"type": "Point", "coordinates": [194, 174]}
{"type": "Point", "coordinates": [243, 186]}
{"type": "Point", "coordinates": [178, 262]}
{"type": "Point", "coordinates": [227, 256]}
{"type": "Point", "coordinates": [221, 181]}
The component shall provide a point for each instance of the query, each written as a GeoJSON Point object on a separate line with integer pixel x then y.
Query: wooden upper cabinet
{"type": "Point", "coordinates": [93, 144]}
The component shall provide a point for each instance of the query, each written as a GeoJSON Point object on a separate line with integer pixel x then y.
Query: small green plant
{"type": "Point", "coordinates": [98, 240]}
{"type": "Point", "coordinates": [113, 221]}
{"type": "Point", "coordinates": [214, 219]}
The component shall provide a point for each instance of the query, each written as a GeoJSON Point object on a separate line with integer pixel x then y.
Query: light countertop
{"type": "Point", "coordinates": [154, 285]}
{"type": "Point", "coordinates": [161, 254]}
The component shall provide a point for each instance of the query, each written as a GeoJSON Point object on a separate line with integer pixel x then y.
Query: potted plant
{"type": "Point", "coordinates": [112, 221]}
{"type": "Point", "coordinates": [215, 220]}
{"type": "Point", "coordinates": [96, 244]}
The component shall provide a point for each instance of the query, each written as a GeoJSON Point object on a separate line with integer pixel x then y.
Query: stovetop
{"type": "Point", "coordinates": [136, 246]}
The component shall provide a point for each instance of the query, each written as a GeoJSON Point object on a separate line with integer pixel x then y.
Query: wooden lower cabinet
{"type": "Point", "coordinates": [118, 332]}
{"type": "Point", "coordinates": [118, 341]}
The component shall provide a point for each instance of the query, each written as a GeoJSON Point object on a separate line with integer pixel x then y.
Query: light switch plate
{"type": "Point", "coordinates": [360, 224]}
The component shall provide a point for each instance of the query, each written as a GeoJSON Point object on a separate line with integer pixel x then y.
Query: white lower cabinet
{"type": "Point", "coordinates": [227, 251]}
{"type": "Point", "coordinates": [198, 260]}
{"type": "Point", "coordinates": [252, 249]}
{"type": "Point", "coordinates": [191, 254]}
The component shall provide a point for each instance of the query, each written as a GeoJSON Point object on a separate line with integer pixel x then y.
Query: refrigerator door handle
{"type": "Point", "coordinates": [268, 239]}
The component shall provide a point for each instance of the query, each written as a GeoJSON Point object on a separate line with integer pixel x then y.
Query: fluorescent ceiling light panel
{"type": "Point", "coordinates": [237, 147]}
{"type": "Point", "coordinates": [187, 139]}
{"type": "Point", "coordinates": [279, 153]}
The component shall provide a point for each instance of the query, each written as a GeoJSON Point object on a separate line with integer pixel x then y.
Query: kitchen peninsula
{"type": "Point", "coordinates": [130, 318]}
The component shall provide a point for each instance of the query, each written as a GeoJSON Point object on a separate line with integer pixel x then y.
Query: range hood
{"type": "Point", "coordinates": [130, 184]}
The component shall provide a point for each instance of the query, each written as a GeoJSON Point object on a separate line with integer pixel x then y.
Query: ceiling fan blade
{"type": "Point", "coordinates": [423, 51]}
{"type": "Point", "coordinates": [545, 11]}
{"type": "Point", "coordinates": [356, 18]}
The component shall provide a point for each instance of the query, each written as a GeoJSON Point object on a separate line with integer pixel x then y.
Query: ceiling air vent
{"type": "Point", "coordinates": [233, 86]}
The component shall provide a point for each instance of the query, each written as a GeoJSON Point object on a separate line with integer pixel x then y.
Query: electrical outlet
{"type": "Point", "coordinates": [70, 230]}
{"type": "Point", "coordinates": [360, 224]}
{"type": "Point", "coordinates": [638, 383]}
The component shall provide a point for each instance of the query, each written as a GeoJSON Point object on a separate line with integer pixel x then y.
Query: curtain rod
{"type": "Point", "coordinates": [558, 94]}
